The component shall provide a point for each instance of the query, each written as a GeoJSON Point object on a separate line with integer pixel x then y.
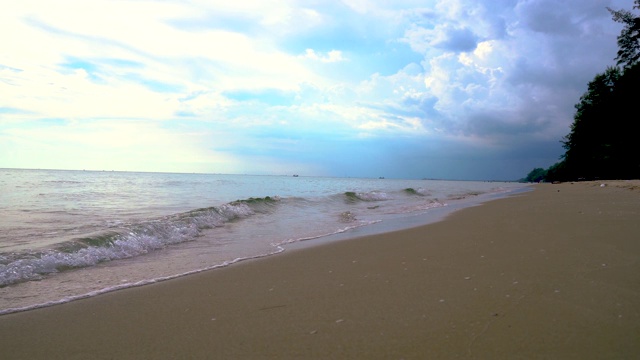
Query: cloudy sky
{"type": "Point", "coordinates": [454, 89]}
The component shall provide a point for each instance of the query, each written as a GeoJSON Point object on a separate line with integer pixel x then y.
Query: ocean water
{"type": "Point", "coordinates": [66, 235]}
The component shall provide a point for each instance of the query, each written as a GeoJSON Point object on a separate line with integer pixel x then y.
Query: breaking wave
{"type": "Point", "coordinates": [352, 196]}
{"type": "Point", "coordinates": [134, 240]}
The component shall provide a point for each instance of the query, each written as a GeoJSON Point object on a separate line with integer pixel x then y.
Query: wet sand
{"type": "Point", "coordinates": [550, 274]}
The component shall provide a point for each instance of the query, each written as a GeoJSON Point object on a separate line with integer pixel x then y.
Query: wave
{"type": "Point", "coordinates": [121, 240]}
{"type": "Point", "coordinates": [352, 196]}
{"type": "Point", "coordinates": [62, 182]}
{"type": "Point", "coordinates": [134, 240]}
{"type": "Point", "coordinates": [416, 192]}
{"type": "Point", "coordinates": [465, 195]}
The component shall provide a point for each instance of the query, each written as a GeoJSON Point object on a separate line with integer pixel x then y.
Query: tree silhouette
{"type": "Point", "coordinates": [603, 141]}
{"type": "Point", "coordinates": [629, 38]}
{"type": "Point", "coordinates": [536, 175]}
{"type": "Point", "coordinates": [589, 144]}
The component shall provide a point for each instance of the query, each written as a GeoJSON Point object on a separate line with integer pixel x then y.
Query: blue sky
{"type": "Point", "coordinates": [450, 89]}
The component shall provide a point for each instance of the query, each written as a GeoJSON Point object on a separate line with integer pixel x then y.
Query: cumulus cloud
{"type": "Point", "coordinates": [329, 57]}
{"type": "Point", "coordinates": [531, 68]}
{"type": "Point", "coordinates": [467, 77]}
{"type": "Point", "coordinates": [446, 37]}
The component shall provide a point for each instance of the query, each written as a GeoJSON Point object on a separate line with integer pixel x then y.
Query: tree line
{"type": "Point", "coordinates": [604, 142]}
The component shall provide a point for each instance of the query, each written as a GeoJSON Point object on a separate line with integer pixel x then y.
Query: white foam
{"type": "Point", "coordinates": [278, 250]}
{"type": "Point", "coordinates": [142, 239]}
{"type": "Point", "coordinates": [338, 231]}
{"type": "Point", "coordinates": [309, 214]}
{"type": "Point", "coordinates": [373, 196]}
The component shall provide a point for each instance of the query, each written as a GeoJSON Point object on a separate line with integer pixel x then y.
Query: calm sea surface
{"type": "Point", "coordinates": [65, 235]}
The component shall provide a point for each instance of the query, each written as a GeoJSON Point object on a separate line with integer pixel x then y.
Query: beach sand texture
{"type": "Point", "coordinates": [550, 274]}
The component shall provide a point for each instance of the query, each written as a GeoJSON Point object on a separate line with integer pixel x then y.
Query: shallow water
{"type": "Point", "coordinates": [70, 234]}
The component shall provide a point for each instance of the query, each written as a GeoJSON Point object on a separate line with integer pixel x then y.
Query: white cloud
{"type": "Point", "coordinates": [75, 95]}
{"type": "Point", "coordinates": [513, 71]}
{"type": "Point", "coordinates": [489, 72]}
{"type": "Point", "coordinates": [109, 145]}
{"type": "Point", "coordinates": [330, 57]}
{"type": "Point", "coordinates": [111, 35]}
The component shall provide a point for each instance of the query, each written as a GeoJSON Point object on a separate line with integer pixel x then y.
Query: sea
{"type": "Point", "coordinates": [67, 235]}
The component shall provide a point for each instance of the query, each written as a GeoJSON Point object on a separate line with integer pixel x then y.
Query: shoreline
{"type": "Point", "coordinates": [430, 216]}
{"type": "Point", "coordinates": [552, 272]}
{"type": "Point", "coordinates": [379, 227]}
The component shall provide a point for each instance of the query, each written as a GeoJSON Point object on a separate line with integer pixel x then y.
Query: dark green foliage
{"type": "Point", "coordinates": [603, 139]}
{"type": "Point", "coordinates": [557, 171]}
{"type": "Point", "coordinates": [536, 175]}
{"type": "Point", "coordinates": [589, 144]}
{"type": "Point", "coordinates": [629, 38]}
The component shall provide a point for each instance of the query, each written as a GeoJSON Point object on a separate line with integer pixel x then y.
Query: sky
{"type": "Point", "coordinates": [449, 89]}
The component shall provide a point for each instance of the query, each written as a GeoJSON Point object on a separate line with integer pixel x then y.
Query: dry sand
{"type": "Point", "coordinates": [551, 274]}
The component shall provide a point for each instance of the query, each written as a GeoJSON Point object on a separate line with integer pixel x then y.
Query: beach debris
{"type": "Point", "coordinates": [603, 185]}
{"type": "Point", "coordinates": [467, 277]}
{"type": "Point", "coordinates": [339, 321]}
{"type": "Point", "coordinates": [441, 300]}
{"type": "Point", "coordinates": [312, 332]}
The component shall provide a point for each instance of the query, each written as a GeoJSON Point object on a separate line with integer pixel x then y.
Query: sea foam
{"type": "Point", "coordinates": [138, 240]}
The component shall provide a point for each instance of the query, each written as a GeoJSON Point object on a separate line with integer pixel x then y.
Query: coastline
{"type": "Point", "coordinates": [551, 273]}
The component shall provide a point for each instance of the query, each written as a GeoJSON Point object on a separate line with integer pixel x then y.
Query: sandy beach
{"type": "Point", "coordinates": [550, 274]}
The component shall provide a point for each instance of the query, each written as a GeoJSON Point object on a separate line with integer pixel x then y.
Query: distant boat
{"type": "Point", "coordinates": [295, 175]}
{"type": "Point", "coordinates": [381, 177]}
